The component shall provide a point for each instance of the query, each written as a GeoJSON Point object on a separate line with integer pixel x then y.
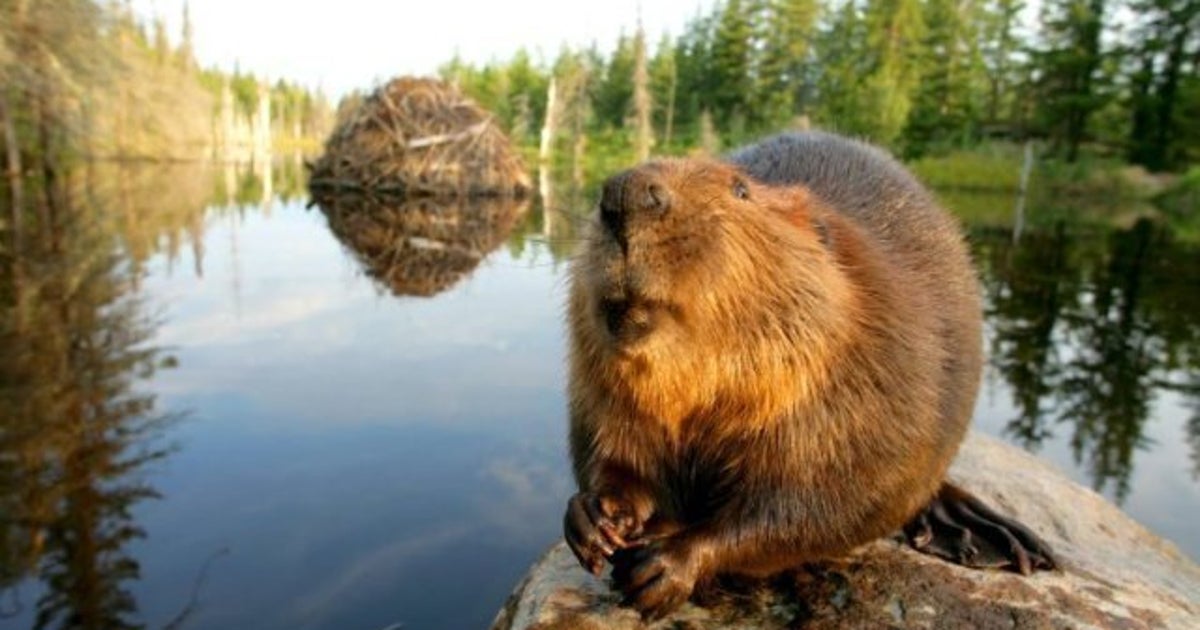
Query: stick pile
{"type": "Point", "coordinates": [419, 138]}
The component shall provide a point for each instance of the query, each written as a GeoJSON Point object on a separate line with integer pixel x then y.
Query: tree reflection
{"type": "Point", "coordinates": [1109, 378]}
{"type": "Point", "coordinates": [1087, 329]}
{"type": "Point", "coordinates": [420, 246]}
{"type": "Point", "coordinates": [166, 208]}
{"type": "Point", "coordinates": [76, 430]}
{"type": "Point", "coordinates": [1028, 289]}
{"type": "Point", "coordinates": [1193, 438]}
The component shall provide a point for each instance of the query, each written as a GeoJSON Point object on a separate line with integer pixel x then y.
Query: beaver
{"type": "Point", "coordinates": [773, 359]}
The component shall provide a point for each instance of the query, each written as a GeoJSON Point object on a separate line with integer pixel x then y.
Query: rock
{"type": "Point", "coordinates": [1115, 574]}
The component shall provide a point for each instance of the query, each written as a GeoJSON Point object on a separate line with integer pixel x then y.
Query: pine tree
{"type": "Point", "coordinates": [1000, 47]}
{"type": "Point", "coordinates": [527, 94]}
{"type": "Point", "coordinates": [615, 91]}
{"type": "Point", "coordinates": [732, 83]}
{"type": "Point", "coordinates": [693, 60]}
{"type": "Point", "coordinates": [894, 32]}
{"type": "Point", "coordinates": [664, 84]}
{"type": "Point", "coordinates": [842, 65]}
{"type": "Point", "coordinates": [1070, 62]}
{"type": "Point", "coordinates": [1165, 50]}
{"type": "Point", "coordinates": [946, 105]}
{"type": "Point", "coordinates": [787, 43]}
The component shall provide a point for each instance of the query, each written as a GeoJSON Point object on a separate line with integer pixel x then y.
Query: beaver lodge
{"type": "Point", "coordinates": [419, 138]}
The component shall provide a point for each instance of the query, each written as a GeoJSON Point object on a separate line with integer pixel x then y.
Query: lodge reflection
{"type": "Point", "coordinates": [1088, 329]}
{"type": "Point", "coordinates": [420, 247]}
{"type": "Point", "coordinates": [76, 429]}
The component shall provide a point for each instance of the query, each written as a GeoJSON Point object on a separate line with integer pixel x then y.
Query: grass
{"type": "Point", "coordinates": [993, 167]}
{"type": "Point", "coordinates": [997, 167]}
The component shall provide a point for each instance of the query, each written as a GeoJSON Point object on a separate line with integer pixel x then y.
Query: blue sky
{"type": "Point", "coordinates": [347, 44]}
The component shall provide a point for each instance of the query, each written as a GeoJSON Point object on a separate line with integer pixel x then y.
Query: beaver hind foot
{"type": "Point", "coordinates": [958, 527]}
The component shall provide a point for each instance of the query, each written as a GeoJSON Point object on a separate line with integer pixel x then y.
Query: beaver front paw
{"type": "Point", "coordinates": [595, 526]}
{"type": "Point", "coordinates": [660, 576]}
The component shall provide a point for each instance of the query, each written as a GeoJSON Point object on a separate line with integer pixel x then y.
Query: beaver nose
{"type": "Point", "coordinates": [627, 194]}
{"type": "Point", "coordinates": [625, 319]}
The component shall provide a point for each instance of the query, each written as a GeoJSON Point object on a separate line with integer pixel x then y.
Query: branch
{"type": "Point", "coordinates": [428, 141]}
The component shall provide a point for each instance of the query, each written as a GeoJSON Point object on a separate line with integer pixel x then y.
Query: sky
{"type": "Point", "coordinates": [347, 44]}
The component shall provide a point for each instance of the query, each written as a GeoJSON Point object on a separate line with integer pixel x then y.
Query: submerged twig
{"type": "Point", "coordinates": [193, 601]}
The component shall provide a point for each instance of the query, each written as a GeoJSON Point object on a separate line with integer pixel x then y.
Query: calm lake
{"type": "Point", "coordinates": [223, 410]}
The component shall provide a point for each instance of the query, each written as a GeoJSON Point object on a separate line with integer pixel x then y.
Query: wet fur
{"type": "Point", "coordinates": [813, 359]}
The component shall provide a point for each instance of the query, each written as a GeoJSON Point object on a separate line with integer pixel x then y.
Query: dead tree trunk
{"type": "Point", "coordinates": [550, 125]}
{"type": "Point", "coordinates": [1019, 211]}
{"type": "Point", "coordinates": [262, 125]}
{"type": "Point", "coordinates": [12, 161]}
{"type": "Point", "coordinates": [47, 149]}
{"type": "Point", "coordinates": [580, 153]}
{"type": "Point", "coordinates": [641, 99]}
{"type": "Point", "coordinates": [671, 107]}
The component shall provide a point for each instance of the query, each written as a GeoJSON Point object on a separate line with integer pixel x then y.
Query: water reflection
{"type": "Point", "coordinates": [421, 246]}
{"type": "Point", "coordinates": [1193, 432]}
{"type": "Point", "coordinates": [77, 427]}
{"type": "Point", "coordinates": [165, 208]}
{"type": "Point", "coordinates": [1088, 329]}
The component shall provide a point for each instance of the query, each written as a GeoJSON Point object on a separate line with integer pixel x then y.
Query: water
{"type": "Point", "coordinates": [262, 416]}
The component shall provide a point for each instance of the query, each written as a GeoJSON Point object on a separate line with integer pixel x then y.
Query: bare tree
{"type": "Point", "coordinates": [644, 138]}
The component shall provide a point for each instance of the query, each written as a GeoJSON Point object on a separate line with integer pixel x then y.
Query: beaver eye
{"type": "Point", "coordinates": [740, 190]}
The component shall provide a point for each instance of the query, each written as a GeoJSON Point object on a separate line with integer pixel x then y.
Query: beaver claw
{"type": "Point", "coordinates": [596, 526]}
{"type": "Point", "coordinates": [656, 578]}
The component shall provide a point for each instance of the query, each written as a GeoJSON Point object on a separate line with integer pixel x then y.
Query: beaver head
{"type": "Point", "coordinates": [692, 255]}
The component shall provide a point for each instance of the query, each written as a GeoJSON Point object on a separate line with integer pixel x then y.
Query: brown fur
{"type": "Point", "coordinates": [807, 362]}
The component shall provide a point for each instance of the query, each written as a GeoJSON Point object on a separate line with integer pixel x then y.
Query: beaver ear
{"type": "Point", "coordinates": [740, 189]}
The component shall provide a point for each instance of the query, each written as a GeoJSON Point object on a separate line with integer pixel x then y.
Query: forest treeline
{"type": "Point", "coordinates": [1120, 78]}
{"type": "Point", "coordinates": [86, 78]}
